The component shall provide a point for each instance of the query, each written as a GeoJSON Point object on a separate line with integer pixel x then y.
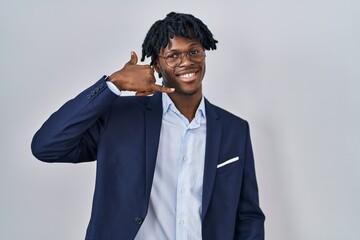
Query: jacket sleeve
{"type": "Point", "coordinates": [71, 133]}
{"type": "Point", "coordinates": [250, 218]}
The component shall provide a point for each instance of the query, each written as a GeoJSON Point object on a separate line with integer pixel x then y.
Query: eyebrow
{"type": "Point", "coordinates": [191, 45]}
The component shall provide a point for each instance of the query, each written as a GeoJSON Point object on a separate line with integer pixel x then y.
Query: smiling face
{"type": "Point", "coordinates": [187, 77]}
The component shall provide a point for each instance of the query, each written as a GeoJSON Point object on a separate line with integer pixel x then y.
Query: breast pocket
{"type": "Point", "coordinates": [229, 164]}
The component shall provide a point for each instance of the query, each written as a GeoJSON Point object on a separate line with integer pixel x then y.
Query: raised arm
{"type": "Point", "coordinates": [71, 133]}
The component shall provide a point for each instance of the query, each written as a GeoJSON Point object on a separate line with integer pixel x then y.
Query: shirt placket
{"type": "Point", "coordinates": [182, 188]}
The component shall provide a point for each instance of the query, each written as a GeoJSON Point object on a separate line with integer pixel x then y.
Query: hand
{"type": "Point", "coordinates": [138, 78]}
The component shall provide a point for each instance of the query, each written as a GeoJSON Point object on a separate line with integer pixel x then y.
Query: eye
{"type": "Point", "coordinates": [173, 56]}
{"type": "Point", "coordinates": [194, 52]}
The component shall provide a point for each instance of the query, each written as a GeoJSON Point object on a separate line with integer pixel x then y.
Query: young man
{"type": "Point", "coordinates": [169, 166]}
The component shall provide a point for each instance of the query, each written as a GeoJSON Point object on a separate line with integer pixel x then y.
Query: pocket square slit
{"type": "Point", "coordinates": [228, 162]}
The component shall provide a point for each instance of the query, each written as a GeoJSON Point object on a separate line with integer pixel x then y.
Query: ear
{"type": "Point", "coordinates": [157, 67]}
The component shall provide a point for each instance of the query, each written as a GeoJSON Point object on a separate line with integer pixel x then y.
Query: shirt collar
{"type": "Point", "coordinates": [169, 105]}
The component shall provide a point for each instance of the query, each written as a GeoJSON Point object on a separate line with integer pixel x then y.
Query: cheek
{"type": "Point", "coordinates": [167, 80]}
{"type": "Point", "coordinates": [167, 74]}
{"type": "Point", "coordinates": [203, 70]}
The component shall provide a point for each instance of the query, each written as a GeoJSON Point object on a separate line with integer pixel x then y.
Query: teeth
{"type": "Point", "coordinates": [188, 75]}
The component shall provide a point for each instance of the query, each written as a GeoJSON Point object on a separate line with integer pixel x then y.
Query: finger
{"type": "Point", "coordinates": [152, 79]}
{"type": "Point", "coordinates": [159, 88]}
{"type": "Point", "coordinates": [152, 68]}
{"type": "Point", "coordinates": [150, 71]}
{"type": "Point", "coordinates": [133, 58]}
{"type": "Point", "coordinates": [145, 93]}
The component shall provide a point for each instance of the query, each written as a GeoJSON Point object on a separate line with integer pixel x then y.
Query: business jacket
{"type": "Point", "coordinates": [122, 134]}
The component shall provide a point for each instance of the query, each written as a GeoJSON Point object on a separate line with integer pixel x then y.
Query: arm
{"type": "Point", "coordinates": [250, 218]}
{"type": "Point", "coordinates": [71, 133]}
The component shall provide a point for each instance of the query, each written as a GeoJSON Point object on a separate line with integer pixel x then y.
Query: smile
{"type": "Point", "coordinates": [187, 76]}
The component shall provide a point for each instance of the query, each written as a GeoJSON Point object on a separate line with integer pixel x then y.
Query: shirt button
{"type": "Point", "coordinates": [185, 158]}
{"type": "Point", "coordinates": [183, 190]}
{"type": "Point", "coordinates": [138, 220]}
{"type": "Point", "coordinates": [181, 221]}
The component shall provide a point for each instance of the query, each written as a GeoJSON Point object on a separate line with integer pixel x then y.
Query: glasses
{"type": "Point", "coordinates": [174, 59]}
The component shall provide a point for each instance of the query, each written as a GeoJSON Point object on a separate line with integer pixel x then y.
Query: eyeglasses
{"type": "Point", "coordinates": [174, 59]}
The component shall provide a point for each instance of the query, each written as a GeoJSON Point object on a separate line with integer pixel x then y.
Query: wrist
{"type": "Point", "coordinates": [112, 86]}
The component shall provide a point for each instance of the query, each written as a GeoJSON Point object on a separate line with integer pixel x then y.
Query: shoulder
{"type": "Point", "coordinates": [235, 130]}
{"type": "Point", "coordinates": [225, 115]}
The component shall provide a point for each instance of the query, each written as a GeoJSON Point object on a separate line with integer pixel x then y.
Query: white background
{"type": "Point", "coordinates": [291, 68]}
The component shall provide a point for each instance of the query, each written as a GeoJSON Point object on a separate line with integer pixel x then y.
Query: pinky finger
{"type": "Point", "coordinates": [145, 93]}
{"type": "Point", "coordinates": [159, 88]}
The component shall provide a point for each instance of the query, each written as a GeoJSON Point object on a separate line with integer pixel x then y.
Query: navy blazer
{"type": "Point", "coordinates": [122, 134]}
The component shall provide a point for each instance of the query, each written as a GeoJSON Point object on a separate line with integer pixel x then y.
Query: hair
{"type": "Point", "coordinates": [175, 24]}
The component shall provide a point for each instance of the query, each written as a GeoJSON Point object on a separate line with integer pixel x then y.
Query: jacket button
{"type": "Point", "coordinates": [88, 96]}
{"type": "Point", "coordinates": [138, 220]}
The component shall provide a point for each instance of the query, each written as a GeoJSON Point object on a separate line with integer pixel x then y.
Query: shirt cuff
{"type": "Point", "coordinates": [113, 88]}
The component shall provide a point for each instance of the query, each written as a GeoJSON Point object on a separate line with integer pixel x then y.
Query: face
{"type": "Point", "coordinates": [187, 77]}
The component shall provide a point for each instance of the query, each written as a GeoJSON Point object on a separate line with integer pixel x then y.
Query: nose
{"type": "Point", "coordinates": [185, 60]}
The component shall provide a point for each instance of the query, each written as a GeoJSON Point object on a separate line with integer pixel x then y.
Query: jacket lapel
{"type": "Point", "coordinates": [153, 116]}
{"type": "Point", "coordinates": [213, 141]}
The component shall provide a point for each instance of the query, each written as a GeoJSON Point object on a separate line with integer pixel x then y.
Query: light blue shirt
{"type": "Point", "coordinates": [176, 193]}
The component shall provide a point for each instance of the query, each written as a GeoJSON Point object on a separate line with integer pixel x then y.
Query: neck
{"type": "Point", "coordinates": [186, 104]}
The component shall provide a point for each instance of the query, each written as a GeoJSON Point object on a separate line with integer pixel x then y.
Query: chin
{"type": "Point", "coordinates": [188, 92]}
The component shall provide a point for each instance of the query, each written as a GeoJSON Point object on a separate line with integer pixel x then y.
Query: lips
{"type": "Point", "coordinates": [187, 76]}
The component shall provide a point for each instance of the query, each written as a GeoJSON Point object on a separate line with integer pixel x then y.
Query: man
{"type": "Point", "coordinates": [169, 166]}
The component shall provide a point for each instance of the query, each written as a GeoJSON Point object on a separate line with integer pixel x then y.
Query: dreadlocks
{"type": "Point", "coordinates": [175, 24]}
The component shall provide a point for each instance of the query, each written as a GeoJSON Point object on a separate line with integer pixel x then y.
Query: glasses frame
{"type": "Point", "coordinates": [181, 54]}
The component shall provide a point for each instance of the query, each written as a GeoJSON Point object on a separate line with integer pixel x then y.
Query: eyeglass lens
{"type": "Point", "coordinates": [194, 56]}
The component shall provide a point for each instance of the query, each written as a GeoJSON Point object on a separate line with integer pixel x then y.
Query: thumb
{"type": "Point", "coordinates": [133, 59]}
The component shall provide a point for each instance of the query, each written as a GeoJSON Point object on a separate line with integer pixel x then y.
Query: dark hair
{"type": "Point", "coordinates": [175, 24]}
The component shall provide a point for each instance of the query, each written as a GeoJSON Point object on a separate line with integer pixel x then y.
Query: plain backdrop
{"type": "Point", "coordinates": [291, 68]}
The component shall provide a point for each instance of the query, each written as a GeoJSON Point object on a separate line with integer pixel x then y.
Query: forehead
{"type": "Point", "coordinates": [179, 43]}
